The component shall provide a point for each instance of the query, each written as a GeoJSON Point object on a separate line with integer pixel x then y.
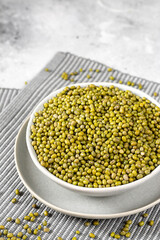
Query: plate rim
{"type": "Point", "coordinates": [68, 212]}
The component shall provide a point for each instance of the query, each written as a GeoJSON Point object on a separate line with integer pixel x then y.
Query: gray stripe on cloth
{"type": "Point", "coordinates": [6, 95]}
{"type": "Point", "coordinates": [16, 109]}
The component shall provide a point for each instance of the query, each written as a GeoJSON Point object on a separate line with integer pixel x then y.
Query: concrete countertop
{"type": "Point", "coordinates": [123, 34]}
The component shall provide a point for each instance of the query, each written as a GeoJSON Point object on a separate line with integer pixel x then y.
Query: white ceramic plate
{"type": "Point", "coordinates": [71, 203]}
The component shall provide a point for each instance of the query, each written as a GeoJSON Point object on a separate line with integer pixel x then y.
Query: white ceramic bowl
{"type": "Point", "coordinates": [83, 190]}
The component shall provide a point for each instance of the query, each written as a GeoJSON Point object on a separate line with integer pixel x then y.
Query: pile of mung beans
{"type": "Point", "coordinates": [97, 136]}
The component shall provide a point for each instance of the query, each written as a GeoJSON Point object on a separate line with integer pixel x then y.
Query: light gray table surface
{"type": "Point", "coordinates": [120, 33]}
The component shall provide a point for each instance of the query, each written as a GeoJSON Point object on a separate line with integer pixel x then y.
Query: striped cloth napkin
{"type": "Point", "coordinates": [15, 106]}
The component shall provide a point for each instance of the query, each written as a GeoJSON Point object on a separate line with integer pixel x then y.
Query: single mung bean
{"type": "Point", "coordinates": [91, 235]}
{"type": "Point", "coordinates": [122, 233]}
{"type": "Point", "coordinates": [24, 237]}
{"type": "Point", "coordinates": [19, 234]}
{"type": "Point", "coordinates": [126, 229]}
{"type": "Point", "coordinates": [95, 223]}
{"type": "Point", "coordinates": [32, 219]}
{"type": "Point", "coordinates": [14, 200]}
{"type": "Point", "coordinates": [59, 238]}
{"type": "Point", "coordinates": [5, 231]}
{"type": "Point", "coordinates": [145, 215]}
{"type": "Point", "coordinates": [36, 214]}
{"type": "Point", "coordinates": [17, 221]}
{"type": "Point", "coordinates": [128, 234]}
{"type": "Point", "coordinates": [27, 218]}
{"type": "Point", "coordinates": [31, 214]}
{"type": "Point", "coordinates": [141, 223]}
{"type": "Point", "coordinates": [39, 227]}
{"type": "Point", "coordinates": [29, 230]}
{"type": "Point", "coordinates": [44, 223]}
{"type": "Point", "coordinates": [26, 226]}
{"type": "Point", "coordinates": [117, 236]}
{"type": "Point", "coordinates": [86, 224]}
{"type": "Point", "coordinates": [77, 232]}
{"type": "Point", "coordinates": [34, 205]}
{"type": "Point", "coordinates": [111, 78]}
{"type": "Point", "coordinates": [127, 225]}
{"type": "Point", "coordinates": [17, 192]}
{"type": "Point", "coordinates": [46, 229]}
{"type": "Point", "coordinates": [74, 238]}
{"type": "Point", "coordinates": [151, 223]}
{"type": "Point", "coordinates": [2, 227]}
{"type": "Point", "coordinates": [129, 222]}
{"type": "Point", "coordinates": [9, 219]}
{"type": "Point", "coordinates": [35, 231]}
{"type": "Point", "coordinates": [39, 238]}
{"type": "Point", "coordinates": [112, 234]}
{"type": "Point", "coordinates": [45, 213]}
{"type": "Point", "coordinates": [10, 235]}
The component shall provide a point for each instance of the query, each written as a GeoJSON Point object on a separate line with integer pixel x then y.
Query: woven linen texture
{"type": "Point", "coordinates": [15, 106]}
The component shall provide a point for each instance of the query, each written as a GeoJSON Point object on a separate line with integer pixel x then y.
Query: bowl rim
{"type": "Point", "coordinates": [70, 186]}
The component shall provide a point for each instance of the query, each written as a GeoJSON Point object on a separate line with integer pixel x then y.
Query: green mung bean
{"type": "Point", "coordinates": [17, 192]}
{"type": "Point", "coordinates": [141, 223]}
{"type": "Point", "coordinates": [19, 234]}
{"type": "Point", "coordinates": [17, 221]}
{"type": "Point", "coordinates": [14, 200]}
{"type": "Point", "coordinates": [92, 235]}
{"type": "Point", "coordinates": [151, 222]}
{"type": "Point", "coordinates": [45, 213]}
